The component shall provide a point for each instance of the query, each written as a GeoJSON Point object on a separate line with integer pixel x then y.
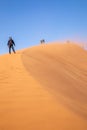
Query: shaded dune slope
{"type": "Point", "coordinates": [61, 69]}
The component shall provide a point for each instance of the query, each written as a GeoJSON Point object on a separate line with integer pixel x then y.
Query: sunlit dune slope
{"type": "Point", "coordinates": [61, 68]}
{"type": "Point", "coordinates": [44, 88]}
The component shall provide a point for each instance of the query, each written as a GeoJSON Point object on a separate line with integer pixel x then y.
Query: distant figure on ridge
{"type": "Point", "coordinates": [11, 45]}
{"type": "Point", "coordinates": [42, 41]}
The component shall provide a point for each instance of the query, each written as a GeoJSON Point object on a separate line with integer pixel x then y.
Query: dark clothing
{"type": "Point", "coordinates": [12, 49]}
{"type": "Point", "coordinates": [11, 44]}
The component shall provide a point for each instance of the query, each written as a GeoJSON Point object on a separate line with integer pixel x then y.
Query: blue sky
{"type": "Point", "coordinates": [28, 21]}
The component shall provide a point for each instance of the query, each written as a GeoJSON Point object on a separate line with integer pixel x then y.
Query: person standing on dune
{"type": "Point", "coordinates": [11, 45]}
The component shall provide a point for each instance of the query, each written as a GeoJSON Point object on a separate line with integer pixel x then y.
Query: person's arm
{"type": "Point", "coordinates": [13, 42]}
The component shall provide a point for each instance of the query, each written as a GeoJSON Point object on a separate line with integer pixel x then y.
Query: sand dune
{"type": "Point", "coordinates": [44, 88]}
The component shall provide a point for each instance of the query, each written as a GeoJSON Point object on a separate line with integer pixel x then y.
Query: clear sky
{"type": "Point", "coordinates": [28, 21]}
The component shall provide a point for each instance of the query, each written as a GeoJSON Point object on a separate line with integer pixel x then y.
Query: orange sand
{"type": "Point", "coordinates": [44, 88]}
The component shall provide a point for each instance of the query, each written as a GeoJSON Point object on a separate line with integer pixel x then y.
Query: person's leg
{"type": "Point", "coordinates": [13, 49]}
{"type": "Point", "coordinates": [9, 50]}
